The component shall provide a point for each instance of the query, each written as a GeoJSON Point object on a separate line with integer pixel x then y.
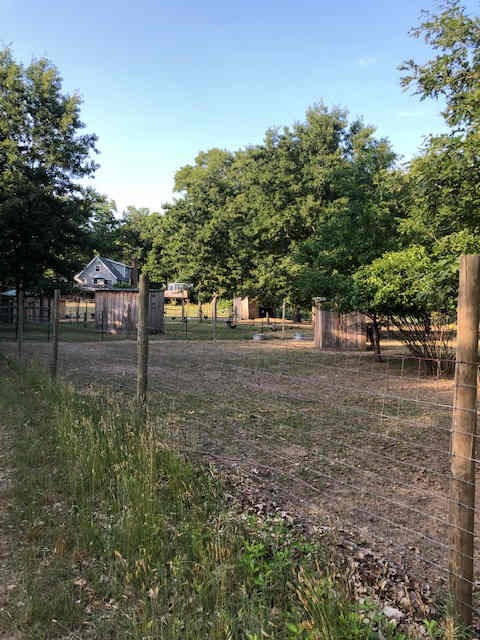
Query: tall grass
{"type": "Point", "coordinates": [129, 540]}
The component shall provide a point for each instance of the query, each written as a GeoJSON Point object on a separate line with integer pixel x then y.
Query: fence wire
{"type": "Point", "coordinates": [357, 446]}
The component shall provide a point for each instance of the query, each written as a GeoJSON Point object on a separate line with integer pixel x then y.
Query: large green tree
{"type": "Point", "coordinates": [43, 210]}
{"type": "Point", "coordinates": [272, 220]}
{"type": "Point", "coordinates": [416, 285]}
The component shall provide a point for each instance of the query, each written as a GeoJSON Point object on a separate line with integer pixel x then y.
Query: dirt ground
{"type": "Point", "coordinates": [356, 447]}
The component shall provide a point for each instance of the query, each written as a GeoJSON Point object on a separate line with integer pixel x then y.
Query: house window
{"type": "Point", "coordinates": [97, 267]}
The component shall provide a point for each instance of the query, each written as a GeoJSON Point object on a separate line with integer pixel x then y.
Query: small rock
{"type": "Point", "coordinates": [392, 613]}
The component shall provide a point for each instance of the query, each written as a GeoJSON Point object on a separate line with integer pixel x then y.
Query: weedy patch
{"type": "Point", "coordinates": [124, 538]}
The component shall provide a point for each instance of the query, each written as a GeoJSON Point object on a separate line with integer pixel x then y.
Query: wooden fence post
{"type": "Point", "coordinates": [319, 323]}
{"type": "Point", "coordinates": [20, 321]}
{"type": "Point", "coordinates": [54, 333]}
{"type": "Point", "coordinates": [464, 424]}
{"type": "Point", "coordinates": [283, 319]}
{"type": "Point", "coordinates": [214, 316]}
{"type": "Point", "coordinates": [142, 339]}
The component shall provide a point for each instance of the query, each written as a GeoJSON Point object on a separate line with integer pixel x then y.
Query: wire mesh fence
{"type": "Point", "coordinates": [360, 446]}
{"type": "Point", "coordinates": [80, 321]}
{"type": "Point", "coordinates": [357, 446]}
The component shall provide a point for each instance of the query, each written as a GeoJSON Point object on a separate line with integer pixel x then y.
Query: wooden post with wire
{"type": "Point", "coordinates": [463, 435]}
{"type": "Point", "coordinates": [142, 339]}
{"type": "Point", "coordinates": [214, 316]}
{"type": "Point", "coordinates": [319, 323]}
{"type": "Point", "coordinates": [54, 333]}
{"type": "Point", "coordinates": [20, 321]}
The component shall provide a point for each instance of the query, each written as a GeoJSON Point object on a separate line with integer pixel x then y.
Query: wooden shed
{"type": "Point", "coordinates": [116, 310]}
{"type": "Point", "coordinates": [245, 308]}
{"type": "Point", "coordinates": [334, 330]}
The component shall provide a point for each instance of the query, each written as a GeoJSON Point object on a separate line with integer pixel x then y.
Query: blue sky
{"type": "Point", "coordinates": [162, 80]}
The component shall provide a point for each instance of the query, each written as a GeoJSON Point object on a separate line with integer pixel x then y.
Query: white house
{"type": "Point", "coordinates": [103, 273]}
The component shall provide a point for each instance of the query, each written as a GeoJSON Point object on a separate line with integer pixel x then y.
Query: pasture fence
{"type": "Point", "coordinates": [380, 454]}
{"type": "Point", "coordinates": [361, 448]}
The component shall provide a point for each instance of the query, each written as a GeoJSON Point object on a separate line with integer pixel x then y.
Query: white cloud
{"type": "Point", "coordinates": [367, 60]}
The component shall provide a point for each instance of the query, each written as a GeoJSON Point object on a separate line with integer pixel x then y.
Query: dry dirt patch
{"type": "Point", "coordinates": [339, 438]}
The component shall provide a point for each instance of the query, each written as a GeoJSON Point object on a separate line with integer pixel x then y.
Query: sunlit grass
{"type": "Point", "coordinates": [124, 538]}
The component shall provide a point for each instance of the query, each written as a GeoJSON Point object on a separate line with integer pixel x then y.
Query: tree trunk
{"type": "Point", "coordinates": [376, 337]}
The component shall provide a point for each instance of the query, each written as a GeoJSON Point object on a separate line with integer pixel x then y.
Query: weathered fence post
{"type": "Point", "coordinates": [54, 332]}
{"type": "Point", "coordinates": [142, 339]}
{"type": "Point", "coordinates": [214, 316]}
{"type": "Point", "coordinates": [200, 311]}
{"type": "Point", "coordinates": [20, 320]}
{"type": "Point", "coordinates": [318, 325]}
{"type": "Point", "coordinates": [283, 319]}
{"type": "Point", "coordinates": [183, 309]}
{"type": "Point", "coordinates": [464, 424]}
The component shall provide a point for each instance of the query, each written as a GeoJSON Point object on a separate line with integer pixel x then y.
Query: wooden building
{"type": "Point", "coordinates": [116, 310]}
{"type": "Point", "coordinates": [177, 291]}
{"type": "Point", "coordinates": [245, 308]}
{"type": "Point", "coordinates": [334, 330]}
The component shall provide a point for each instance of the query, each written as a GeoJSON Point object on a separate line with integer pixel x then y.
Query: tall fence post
{"type": "Point", "coordinates": [142, 339]}
{"type": "Point", "coordinates": [20, 321]}
{"type": "Point", "coordinates": [464, 424]}
{"type": "Point", "coordinates": [54, 332]}
{"type": "Point", "coordinates": [214, 316]}
{"type": "Point", "coordinates": [283, 319]}
{"type": "Point", "coordinates": [318, 323]}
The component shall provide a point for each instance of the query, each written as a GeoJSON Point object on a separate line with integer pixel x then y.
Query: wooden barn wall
{"type": "Point", "coordinates": [333, 330]}
{"type": "Point", "coordinates": [245, 308]}
{"type": "Point", "coordinates": [119, 311]}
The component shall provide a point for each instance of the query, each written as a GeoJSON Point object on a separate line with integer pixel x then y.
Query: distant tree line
{"type": "Point", "coordinates": [320, 208]}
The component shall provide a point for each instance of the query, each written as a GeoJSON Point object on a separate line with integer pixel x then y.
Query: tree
{"type": "Point", "coordinates": [103, 227]}
{"type": "Point", "coordinates": [454, 73]}
{"type": "Point", "coordinates": [135, 237]}
{"type": "Point", "coordinates": [43, 211]}
{"type": "Point", "coordinates": [197, 239]}
{"type": "Point", "coordinates": [417, 285]}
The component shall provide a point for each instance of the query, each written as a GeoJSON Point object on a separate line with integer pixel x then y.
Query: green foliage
{"type": "Point", "coordinates": [43, 211]}
{"type": "Point", "coordinates": [135, 237]}
{"type": "Point", "coordinates": [274, 220]}
{"type": "Point", "coordinates": [102, 229]}
{"type": "Point", "coordinates": [455, 71]}
{"type": "Point", "coordinates": [145, 543]}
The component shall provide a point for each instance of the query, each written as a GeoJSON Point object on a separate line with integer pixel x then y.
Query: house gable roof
{"type": "Point", "coordinates": [110, 265]}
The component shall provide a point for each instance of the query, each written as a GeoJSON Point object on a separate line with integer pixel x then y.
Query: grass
{"type": "Point", "coordinates": [175, 329]}
{"type": "Point", "coordinates": [123, 538]}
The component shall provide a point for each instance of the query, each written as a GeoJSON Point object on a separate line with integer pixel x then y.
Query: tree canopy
{"type": "Point", "coordinates": [43, 210]}
{"type": "Point", "coordinates": [275, 220]}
